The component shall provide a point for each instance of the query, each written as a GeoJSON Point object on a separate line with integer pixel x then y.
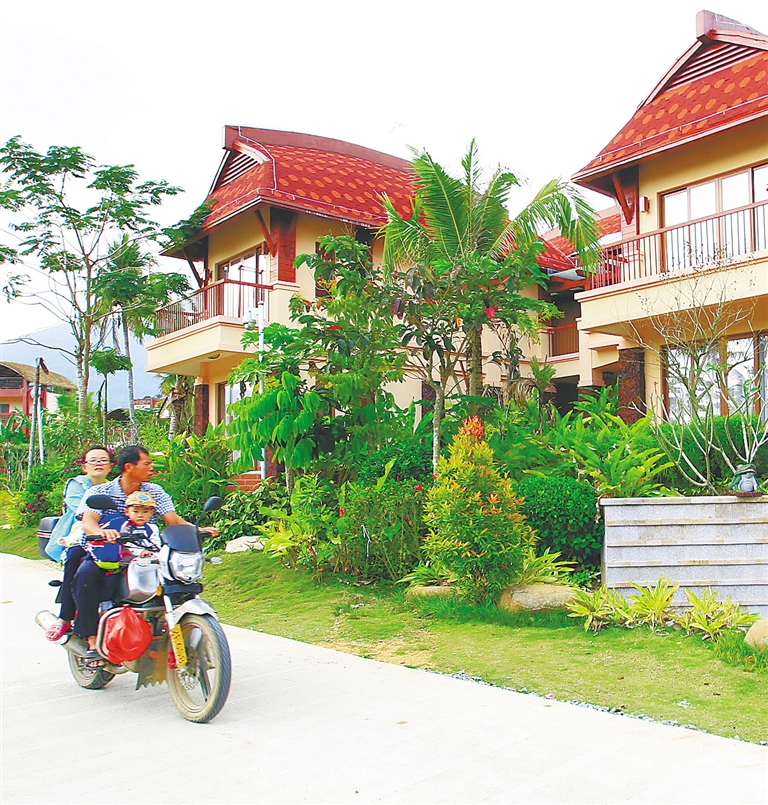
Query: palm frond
{"type": "Point", "coordinates": [442, 200]}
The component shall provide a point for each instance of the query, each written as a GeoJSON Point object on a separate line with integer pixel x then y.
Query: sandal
{"type": "Point", "coordinates": [57, 631]}
{"type": "Point", "coordinates": [92, 660]}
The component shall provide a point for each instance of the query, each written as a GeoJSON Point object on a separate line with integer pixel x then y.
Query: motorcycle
{"type": "Point", "coordinates": [188, 647]}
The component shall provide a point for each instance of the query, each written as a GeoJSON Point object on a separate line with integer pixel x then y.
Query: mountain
{"type": "Point", "coordinates": [145, 385]}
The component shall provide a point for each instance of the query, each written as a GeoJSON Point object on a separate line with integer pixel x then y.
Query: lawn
{"type": "Point", "coordinates": [666, 676]}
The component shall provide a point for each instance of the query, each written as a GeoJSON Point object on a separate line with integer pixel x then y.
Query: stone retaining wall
{"type": "Point", "coordinates": [717, 542]}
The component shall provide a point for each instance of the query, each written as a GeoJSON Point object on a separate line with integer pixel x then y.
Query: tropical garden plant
{"type": "Point", "coordinates": [476, 529]}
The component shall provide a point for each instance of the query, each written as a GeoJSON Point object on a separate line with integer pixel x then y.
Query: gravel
{"type": "Point", "coordinates": [618, 711]}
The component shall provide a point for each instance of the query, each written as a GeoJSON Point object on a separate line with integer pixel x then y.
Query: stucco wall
{"type": "Point", "coordinates": [717, 542]}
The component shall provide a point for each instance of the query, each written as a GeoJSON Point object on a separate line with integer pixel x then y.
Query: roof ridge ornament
{"type": "Point", "coordinates": [712, 27]}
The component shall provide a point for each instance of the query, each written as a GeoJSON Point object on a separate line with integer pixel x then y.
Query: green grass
{"type": "Point", "coordinates": [666, 676]}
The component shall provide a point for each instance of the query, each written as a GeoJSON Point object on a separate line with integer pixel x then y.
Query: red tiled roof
{"type": "Point", "coordinates": [338, 181]}
{"type": "Point", "coordinates": [558, 253]}
{"type": "Point", "coordinates": [721, 81]}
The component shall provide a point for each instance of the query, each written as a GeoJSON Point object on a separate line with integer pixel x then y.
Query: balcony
{"type": "Point", "coordinates": [729, 238]}
{"type": "Point", "coordinates": [228, 298]}
{"type": "Point", "coordinates": [204, 327]}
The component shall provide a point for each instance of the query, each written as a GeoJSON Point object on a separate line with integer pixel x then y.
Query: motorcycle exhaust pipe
{"type": "Point", "coordinates": [45, 619]}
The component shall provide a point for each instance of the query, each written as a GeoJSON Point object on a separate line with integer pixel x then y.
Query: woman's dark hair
{"type": "Point", "coordinates": [98, 447]}
{"type": "Point", "coordinates": [130, 455]}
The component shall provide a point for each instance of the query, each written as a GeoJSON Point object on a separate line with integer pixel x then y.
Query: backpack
{"type": "Point", "coordinates": [105, 554]}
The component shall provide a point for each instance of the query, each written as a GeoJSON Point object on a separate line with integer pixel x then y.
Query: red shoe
{"type": "Point", "coordinates": [57, 631]}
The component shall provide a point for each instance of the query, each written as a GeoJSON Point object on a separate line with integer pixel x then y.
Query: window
{"type": "Point", "coordinates": [5, 408]}
{"type": "Point", "coordinates": [723, 236]}
{"type": "Point", "coordinates": [716, 379]}
{"type": "Point", "coordinates": [239, 293]}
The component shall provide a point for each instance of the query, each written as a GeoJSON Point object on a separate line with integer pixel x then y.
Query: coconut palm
{"type": "Point", "coordinates": [465, 221]}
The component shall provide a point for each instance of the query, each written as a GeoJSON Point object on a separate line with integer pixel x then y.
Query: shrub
{"type": "Point", "coordinates": [241, 513]}
{"type": "Point", "coordinates": [476, 528]}
{"type": "Point", "coordinates": [42, 492]}
{"type": "Point", "coordinates": [382, 527]}
{"type": "Point", "coordinates": [193, 469]}
{"type": "Point", "coordinates": [564, 513]}
{"type": "Point", "coordinates": [412, 461]}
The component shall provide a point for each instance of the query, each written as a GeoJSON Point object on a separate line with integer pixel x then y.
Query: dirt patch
{"type": "Point", "coordinates": [396, 650]}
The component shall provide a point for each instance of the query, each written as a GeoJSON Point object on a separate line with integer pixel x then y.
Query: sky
{"type": "Point", "coordinates": [542, 86]}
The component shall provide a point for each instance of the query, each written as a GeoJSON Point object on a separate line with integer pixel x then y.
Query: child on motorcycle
{"type": "Point", "coordinates": [96, 579]}
{"type": "Point", "coordinates": [139, 508]}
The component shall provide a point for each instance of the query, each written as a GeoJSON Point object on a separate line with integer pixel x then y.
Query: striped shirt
{"type": "Point", "coordinates": [163, 503]}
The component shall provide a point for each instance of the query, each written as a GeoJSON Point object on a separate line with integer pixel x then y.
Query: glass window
{"type": "Point", "coordinates": [735, 191]}
{"type": "Point", "coordinates": [723, 237]}
{"type": "Point", "coordinates": [740, 357]}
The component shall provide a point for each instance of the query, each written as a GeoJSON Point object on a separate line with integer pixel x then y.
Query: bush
{"type": "Point", "coordinates": [412, 461]}
{"type": "Point", "coordinates": [240, 516]}
{"type": "Point", "coordinates": [719, 470]}
{"type": "Point", "coordinates": [477, 530]}
{"type": "Point", "coordinates": [564, 513]}
{"type": "Point", "coordinates": [42, 492]}
{"type": "Point", "coordinates": [382, 527]}
{"type": "Point", "coordinates": [193, 469]}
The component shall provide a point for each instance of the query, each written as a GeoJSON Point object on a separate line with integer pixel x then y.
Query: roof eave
{"type": "Point", "coordinates": [588, 178]}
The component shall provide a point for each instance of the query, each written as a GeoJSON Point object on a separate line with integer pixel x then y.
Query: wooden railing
{"type": "Point", "coordinates": [728, 238]}
{"type": "Point", "coordinates": [563, 340]}
{"type": "Point", "coordinates": [223, 298]}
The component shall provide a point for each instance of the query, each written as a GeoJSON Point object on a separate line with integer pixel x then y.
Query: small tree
{"type": "Point", "coordinates": [709, 418]}
{"type": "Point", "coordinates": [68, 209]}
{"type": "Point", "coordinates": [477, 530]}
{"type": "Point", "coordinates": [323, 380]}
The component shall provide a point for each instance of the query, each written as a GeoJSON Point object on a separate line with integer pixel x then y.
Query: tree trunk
{"type": "Point", "coordinates": [475, 361]}
{"type": "Point", "coordinates": [82, 332]}
{"type": "Point", "coordinates": [437, 417]}
{"type": "Point", "coordinates": [131, 409]}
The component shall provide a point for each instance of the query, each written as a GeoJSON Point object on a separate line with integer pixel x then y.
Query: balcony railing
{"type": "Point", "coordinates": [563, 340]}
{"type": "Point", "coordinates": [725, 239]}
{"type": "Point", "coordinates": [223, 298]}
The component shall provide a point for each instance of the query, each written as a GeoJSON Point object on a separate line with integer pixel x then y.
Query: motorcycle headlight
{"type": "Point", "coordinates": [186, 567]}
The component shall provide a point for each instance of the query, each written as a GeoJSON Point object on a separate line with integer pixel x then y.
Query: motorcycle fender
{"type": "Point", "coordinates": [195, 606]}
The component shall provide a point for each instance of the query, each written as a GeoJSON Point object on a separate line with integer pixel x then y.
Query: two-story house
{"type": "Point", "coordinates": [274, 196]}
{"type": "Point", "coordinates": [689, 173]}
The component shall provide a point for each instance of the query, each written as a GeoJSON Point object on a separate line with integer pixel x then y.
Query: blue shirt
{"type": "Point", "coordinates": [163, 503]}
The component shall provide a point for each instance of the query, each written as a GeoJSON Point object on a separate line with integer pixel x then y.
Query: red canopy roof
{"type": "Point", "coordinates": [306, 173]}
{"type": "Point", "coordinates": [719, 82]}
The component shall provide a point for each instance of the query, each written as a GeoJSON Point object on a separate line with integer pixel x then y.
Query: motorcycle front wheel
{"type": "Point", "coordinates": [200, 689]}
{"type": "Point", "coordinates": [89, 678]}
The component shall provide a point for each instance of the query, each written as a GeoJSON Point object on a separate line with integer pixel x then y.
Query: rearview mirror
{"type": "Point", "coordinates": [103, 502]}
{"type": "Point", "coordinates": [212, 504]}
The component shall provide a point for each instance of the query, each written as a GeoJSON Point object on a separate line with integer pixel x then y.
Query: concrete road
{"type": "Point", "coordinates": [306, 724]}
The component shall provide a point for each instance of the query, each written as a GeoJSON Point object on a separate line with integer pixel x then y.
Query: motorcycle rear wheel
{"type": "Point", "coordinates": [88, 678]}
{"type": "Point", "coordinates": [200, 690]}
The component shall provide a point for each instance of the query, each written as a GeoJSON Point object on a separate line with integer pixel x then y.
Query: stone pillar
{"type": "Point", "coordinates": [201, 409]}
{"type": "Point", "coordinates": [631, 384]}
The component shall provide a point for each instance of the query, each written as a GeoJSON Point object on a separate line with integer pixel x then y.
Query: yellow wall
{"type": "Point", "coordinates": [721, 153]}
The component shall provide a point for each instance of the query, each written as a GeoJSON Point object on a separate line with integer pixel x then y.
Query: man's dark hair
{"type": "Point", "coordinates": [130, 455]}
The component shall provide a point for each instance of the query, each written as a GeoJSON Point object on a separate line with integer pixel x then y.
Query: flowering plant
{"type": "Point", "coordinates": [476, 528]}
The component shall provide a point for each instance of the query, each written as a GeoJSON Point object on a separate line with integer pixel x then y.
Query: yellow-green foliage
{"type": "Point", "coordinates": [476, 529]}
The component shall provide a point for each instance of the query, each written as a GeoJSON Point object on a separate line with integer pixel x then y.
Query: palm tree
{"type": "Point", "coordinates": [128, 289]}
{"type": "Point", "coordinates": [465, 221]}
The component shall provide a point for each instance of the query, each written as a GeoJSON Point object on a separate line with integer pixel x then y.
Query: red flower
{"type": "Point", "coordinates": [490, 312]}
{"type": "Point", "coordinates": [417, 487]}
{"type": "Point", "coordinates": [334, 327]}
{"type": "Point", "coordinates": [341, 511]}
